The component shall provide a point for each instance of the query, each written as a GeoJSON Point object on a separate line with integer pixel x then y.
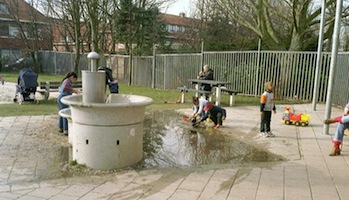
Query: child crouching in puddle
{"type": "Point", "coordinates": [215, 113]}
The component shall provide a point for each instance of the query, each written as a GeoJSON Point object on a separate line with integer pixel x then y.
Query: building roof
{"type": "Point", "coordinates": [179, 20]}
{"type": "Point", "coordinates": [22, 10]}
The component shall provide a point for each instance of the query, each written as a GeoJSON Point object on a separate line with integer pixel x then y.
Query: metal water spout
{"type": "Point", "coordinates": [93, 82]}
{"type": "Point", "coordinates": [93, 56]}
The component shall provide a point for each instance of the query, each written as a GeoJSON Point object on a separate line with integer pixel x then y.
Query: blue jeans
{"type": "Point", "coordinates": [62, 122]}
{"type": "Point", "coordinates": [341, 128]}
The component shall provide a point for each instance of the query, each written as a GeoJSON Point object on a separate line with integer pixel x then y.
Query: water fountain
{"type": "Point", "coordinates": [105, 134]}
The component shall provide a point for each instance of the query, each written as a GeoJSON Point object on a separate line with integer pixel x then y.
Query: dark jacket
{"type": "Point", "coordinates": [213, 112]}
{"type": "Point", "coordinates": [206, 76]}
{"type": "Point", "coordinates": [108, 74]}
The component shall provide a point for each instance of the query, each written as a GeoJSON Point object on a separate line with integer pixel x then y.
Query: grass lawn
{"type": "Point", "coordinates": [159, 96]}
{"type": "Point", "coordinates": [12, 77]}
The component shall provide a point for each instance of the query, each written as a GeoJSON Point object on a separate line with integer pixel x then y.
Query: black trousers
{"type": "Point", "coordinates": [217, 119]}
{"type": "Point", "coordinates": [265, 121]}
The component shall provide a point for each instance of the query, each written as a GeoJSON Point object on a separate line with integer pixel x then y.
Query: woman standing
{"type": "Point", "coordinates": [66, 89]}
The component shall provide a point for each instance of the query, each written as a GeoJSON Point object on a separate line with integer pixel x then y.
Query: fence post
{"type": "Point", "coordinates": [202, 56]}
{"type": "Point", "coordinates": [55, 62]}
{"type": "Point", "coordinates": [154, 66]}
{"type": "Point", "coordinates": [165, 71]}
{"type": "Point", "coordinates": [257, 66]}
{"type": "Point", "coordinates": [71, 62]}
{"type": "Point", "coordinates": [319, 55]}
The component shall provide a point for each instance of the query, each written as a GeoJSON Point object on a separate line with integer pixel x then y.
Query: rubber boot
{"type": "Point", "coordinates": [336, 149]}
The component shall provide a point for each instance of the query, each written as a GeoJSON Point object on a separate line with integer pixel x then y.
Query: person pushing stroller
{"type": "Point", "coordinates": [27, 83]}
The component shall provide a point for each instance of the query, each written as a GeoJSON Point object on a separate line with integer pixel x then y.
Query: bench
{"type": "Point", "coordinates": [53, 86]}
{"type": "Point", "coordinates": [185, 89]}
{"type": "Point", "coordinates": [232, 93]}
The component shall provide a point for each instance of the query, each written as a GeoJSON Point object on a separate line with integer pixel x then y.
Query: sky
{"type": "Point", "coordinates": [179, 6]}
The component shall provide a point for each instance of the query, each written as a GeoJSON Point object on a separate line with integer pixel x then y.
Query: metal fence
{"type": "Point", "coordinates": [293, 73]}
{"type": "Point", "coordinates": [63, 62]}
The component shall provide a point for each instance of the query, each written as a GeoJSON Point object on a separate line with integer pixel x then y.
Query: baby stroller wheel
{"type": "Point", "coordinates": [20, 98]}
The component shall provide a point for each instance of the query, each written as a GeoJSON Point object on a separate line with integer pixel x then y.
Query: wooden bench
{"type": "Point", "coordinates": [53, 86]}
{"type": "Point", "coordinates": [232, 93]}
{"type": "Point", "coordinates": [185, 89]}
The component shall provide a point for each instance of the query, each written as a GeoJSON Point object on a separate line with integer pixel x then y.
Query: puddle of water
{"type": "Point", "coordinates": [171, 142]}
{"type": "Point", "coordinates": [168, 142]}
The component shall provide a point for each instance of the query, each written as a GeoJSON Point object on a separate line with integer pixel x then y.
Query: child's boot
{"type": "Point", "coordinates": [336, 149]}
{"type": "Point", "coordinates": [331, 121]}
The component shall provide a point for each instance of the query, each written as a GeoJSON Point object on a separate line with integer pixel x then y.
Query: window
{"type": "Point", "coordinates": [14, 31]}
{"type": "Point", "coordinates": [172, 28]}
{"type": "Point", "coordinates": [4, 9]}
{"type": "Point", "coordinates": [4, 30]}
{"type": "Point", "coordinates": [40, 33]}
{"type": "Point", "coordinates": [175, 28]}
{"type": "Point", "coordinates": [66, 39]}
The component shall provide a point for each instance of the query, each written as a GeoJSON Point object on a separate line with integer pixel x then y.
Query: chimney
{"type": "Point", "coordinates": [182, 14]}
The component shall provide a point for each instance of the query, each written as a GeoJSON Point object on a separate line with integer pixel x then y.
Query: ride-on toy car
{"type": "Point", "coordinates": [296, 119]}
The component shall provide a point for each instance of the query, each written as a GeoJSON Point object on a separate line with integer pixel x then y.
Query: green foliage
{"type": "Point", "coordinates": [73, 162]}
{"type": "Point", "coordinates": [218, 28]}
{"type": "Point", "coordinates": [12, 77]}
{"type": "Point", "coordinates": [77, 165]}
{"type": "Point", "coordinates": [221, 33]}
{"type": "Point", "coordinates": [139, 25]}
{"type": "Point", "coordinates": [282, 25]}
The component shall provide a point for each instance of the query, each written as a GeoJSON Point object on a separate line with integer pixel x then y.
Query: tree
{"type": "Point", "coordinates": [139, 25]}
{"type": "Point", "coordinates": [220, 33]}
{"type": "Point", "coordinates": [68, 21]}
{"type": "Point", "coordinates": [34, 32]}
{"type": "Point", "coordinates": [93, 13]}
{"type": "Point", "coordinates": [281, 24]}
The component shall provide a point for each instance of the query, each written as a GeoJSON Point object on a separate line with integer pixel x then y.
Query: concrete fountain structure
{"type": "Point", "coordinates": [105, 134]}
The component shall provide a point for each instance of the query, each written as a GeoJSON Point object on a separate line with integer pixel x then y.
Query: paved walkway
{"type": "Point", "coordinates": [308, 173]}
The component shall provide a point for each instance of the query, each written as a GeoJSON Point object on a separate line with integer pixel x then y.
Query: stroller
{"type": "Point", "coordinates": [26, 88]}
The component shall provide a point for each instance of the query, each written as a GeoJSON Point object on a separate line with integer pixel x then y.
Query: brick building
{"type": "Point", "coordinates": [181, 30]}
{"type": "Point", "coordinates": [23, 29]}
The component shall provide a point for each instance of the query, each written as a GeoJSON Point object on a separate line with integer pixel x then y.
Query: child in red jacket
{"type": "Point", "coordinates": [215, 113]}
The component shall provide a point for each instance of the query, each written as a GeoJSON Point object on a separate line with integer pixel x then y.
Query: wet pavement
{"type": "Point", "coordinates": [307, 172]}
{"type": "Point", "coordinates": [172, 141]}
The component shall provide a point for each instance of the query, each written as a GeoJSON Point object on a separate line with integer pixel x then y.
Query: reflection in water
{"type": "Point", "coordinates": [170, 142]}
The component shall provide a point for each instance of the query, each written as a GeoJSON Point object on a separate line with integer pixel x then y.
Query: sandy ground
{"type": "Point", "coordinates": [7, 92]}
